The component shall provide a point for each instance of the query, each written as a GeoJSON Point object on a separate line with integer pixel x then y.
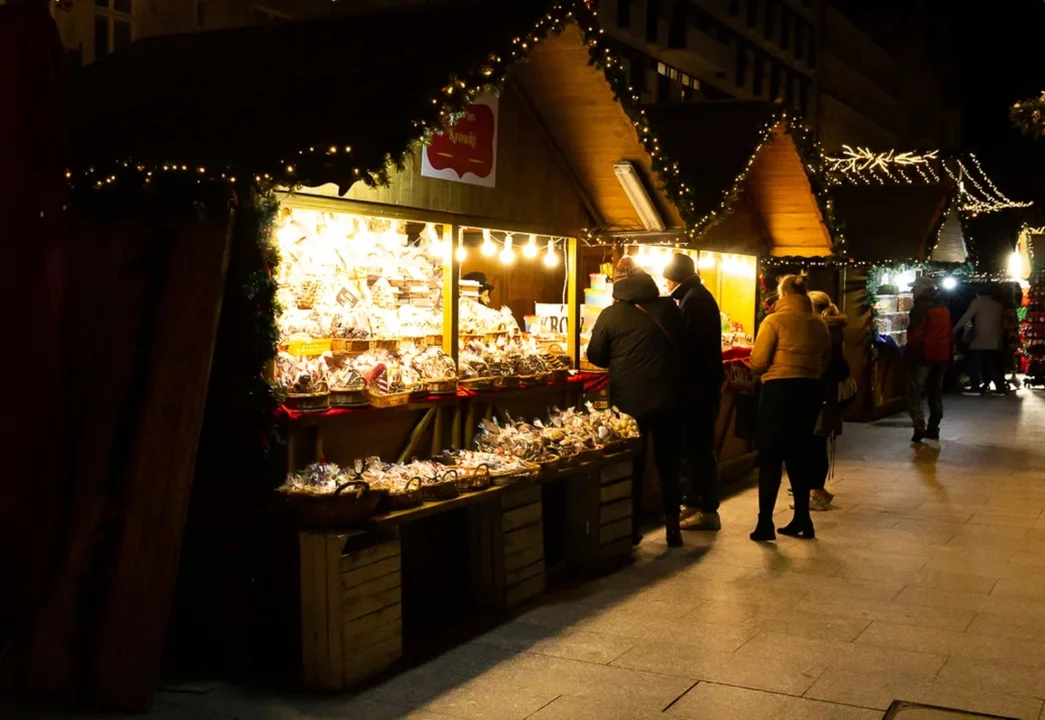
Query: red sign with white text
{"type": "Point", "coordinates": [467, 151]}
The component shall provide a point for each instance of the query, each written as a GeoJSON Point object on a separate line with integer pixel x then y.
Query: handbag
{"type": "Point", "coordinates": [846, 391]}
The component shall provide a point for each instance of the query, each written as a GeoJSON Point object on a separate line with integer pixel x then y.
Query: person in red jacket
{"type": "Point", "coordinates": [930, 339]}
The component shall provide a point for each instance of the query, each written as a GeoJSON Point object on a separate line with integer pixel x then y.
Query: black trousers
{"type": "Point", "coordinates": [666, 433]}
{"type": "Point", "coordinates": [787, 415]}
{"type": "Point", "coordinates": [699, 451]}
{"type": "Point", "coordinates": [986, 367]}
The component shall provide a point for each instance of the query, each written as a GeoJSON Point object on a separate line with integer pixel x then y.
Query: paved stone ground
{"type": "Point", "coordinates": [926, 584]}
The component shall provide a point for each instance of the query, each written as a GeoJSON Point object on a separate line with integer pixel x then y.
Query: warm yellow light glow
{"type": "Point", "coordinates": [707, 261]}
{"type": "Point", "coordinates": [550, 258]}
{"type": "Point", "coordinates": [530, 251]}
{"type": "Point", "coordinates": [462, 253]}
{"type": "Point", "coordinates": [436, 246]}
{"type": "Point", "coordinates": [508, 255]}
{"type": "Point", "coordinates": [1015, 265]}
{"type": "Point", "coordinates": [488, 248]}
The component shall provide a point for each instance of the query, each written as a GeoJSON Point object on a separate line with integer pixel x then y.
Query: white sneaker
{"type": "Point", "coordinates": [697, 520]}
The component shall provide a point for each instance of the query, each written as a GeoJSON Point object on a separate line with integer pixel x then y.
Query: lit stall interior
{"type": "Point", "coordinates": [893, 304]}
{"type": "Point", "coordinates": [365, 304]}
{"type": "Point", "coordinates": [732, 280]}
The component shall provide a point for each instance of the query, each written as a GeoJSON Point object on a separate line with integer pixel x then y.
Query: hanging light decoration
{"type": "Point", "coordinates": [550, 258]}
{"type": "Point", "coordinates": [488, 248]}
{"type": "Point", "coordinates": [530, 251]}
{"type": "Point", "coordinates": [436, 247]}
{"type": "Point", "coordinates": [507, 255]}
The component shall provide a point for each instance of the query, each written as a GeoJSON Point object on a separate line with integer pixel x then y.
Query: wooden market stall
{"type": "Point", "coordinates": [893, 233]}
{"type": "Point", "coordinates": [297, 143]}
{"type": "Point", "coordinates": [753, 192]}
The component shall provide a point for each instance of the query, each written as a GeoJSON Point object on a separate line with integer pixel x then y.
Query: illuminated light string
{"type": "Point", "coordinates": [1029, 116]}
{"type": "Point", "coordinates": [977, 193]}
{"type": "Point", "coordinates": [454, 96]}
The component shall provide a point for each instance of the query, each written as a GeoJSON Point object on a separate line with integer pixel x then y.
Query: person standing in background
{"type": "Point", "coordinates": [830, 425]}
{"type": "Point", "coordinates": [642, 340]}
{"type": "Point", "coordinates": [792, 350]}
{"type": "Point", "coordinates": [986, 362]}
{"type": "Point", "coordinates": [704, 371]}
{"type": "Point", "coordinates": [485, 288]}
{"type": "Point", "coordinates": [930, 339]}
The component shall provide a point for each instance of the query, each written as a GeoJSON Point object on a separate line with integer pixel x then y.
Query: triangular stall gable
{"type": "Point", "coordinates": [950, 243]}
{"type": "Point", "coordinates": [749, 185]}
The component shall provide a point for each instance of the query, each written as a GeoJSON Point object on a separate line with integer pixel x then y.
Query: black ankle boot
{"type": "Point", "coordinates": [764, 531]}
{"type": "Point", "coordinates": [672, 531]}
{"type": "Point", "coordinates": [802, 529]}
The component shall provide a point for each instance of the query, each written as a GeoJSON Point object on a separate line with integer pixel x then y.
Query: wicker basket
{"type": "Point", "coordinates": [345, 346]}
{"type": "Point", "coordinates": [411, 497]}
{"type": "Point", "coordinates": [486, 383]}
{"type": "Point", "coordinates": [443, 387]}
{"type": "Point", "coordinates": [444, 488]}
{"type": "Point", "coordinates": [311, 402]}
{"type": "Point", "coordinates": [388, 400]}
{"type": "Point", "coordinates": [472, 479]}
{"type": "Point", "coordinates": [390, 344]}
{"type": "Point", "coordinates": [550, 463]}
{"type": "Point", "coordinates": [581, 458]}
{"type": "Point", "coordinates": [436, 340]}
{"type": "Point", "coordinates": [351, 503]}
{"type": "Point", "coordinates": [509, 382]}
{"type": "Point", "coordinates": [305, 294]}
{"type": "Point", "coordinates": [538, 380]}
{"type": "Point", "coordinates": [345, 398]}
{"type": "Point", "coordinates": [530, 470]}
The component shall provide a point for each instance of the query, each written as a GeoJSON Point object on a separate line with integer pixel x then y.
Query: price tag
{"type": "Point", "coordinates": [347, 298]}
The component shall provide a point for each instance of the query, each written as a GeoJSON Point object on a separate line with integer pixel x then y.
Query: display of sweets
{"type": "Point", "coordinates": [564, 433]}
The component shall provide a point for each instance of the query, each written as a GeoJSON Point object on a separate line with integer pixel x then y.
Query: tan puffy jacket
{"type": "Point", "coordinates": [792, 342]}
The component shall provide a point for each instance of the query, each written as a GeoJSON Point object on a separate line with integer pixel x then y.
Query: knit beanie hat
{"type": "Point", "coordinates": [626, 267]}
{"type": "Point", "coordinates": [680, 268]}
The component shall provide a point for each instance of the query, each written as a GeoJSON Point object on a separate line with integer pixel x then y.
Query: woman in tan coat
{"type": "Point", "coordinates": [791, 352]}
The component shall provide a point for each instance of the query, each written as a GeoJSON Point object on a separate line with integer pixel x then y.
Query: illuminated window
{"type": "Point", "coordinates": [113, 26]}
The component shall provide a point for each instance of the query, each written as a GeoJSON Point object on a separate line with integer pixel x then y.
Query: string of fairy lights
{"type": "Point", "coordinates": [977, 194]}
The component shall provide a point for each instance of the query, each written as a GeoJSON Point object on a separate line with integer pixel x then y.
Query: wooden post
{"type": "Point", "coordinates": [451, 287]}
{"type": "Point", "coordinates": [573, 309]}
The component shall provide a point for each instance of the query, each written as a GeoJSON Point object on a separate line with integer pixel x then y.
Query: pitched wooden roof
{"type": "Point", "coordinates": [730, 150]}
{"type": "Point", "coordinates": [579, 111]}
{"type": "Point", "coordinates": [891, 222]}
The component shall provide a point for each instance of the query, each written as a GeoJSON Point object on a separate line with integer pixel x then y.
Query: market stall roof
{"type": "Point", "coordinates": [747, 158]}
{"type": "Point", "coordinates": [297, 94]}
{"type": "Point", "coordinates": [900, 223]}
{"type": "Point", "coordinates": [580, 111]}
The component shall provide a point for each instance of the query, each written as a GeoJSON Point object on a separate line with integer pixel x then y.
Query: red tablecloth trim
{"type": "Point", "coordinates": [738, 352]}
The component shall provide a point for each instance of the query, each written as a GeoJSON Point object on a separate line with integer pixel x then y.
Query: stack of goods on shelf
{"type": "Point", "coordinates": [1034, 330]}
{"type": "Point", "coordinates": [568, 437]}
{"type": "Point", "coordinates": [733, 334]}
{"type": "Point", "coordinates": [596, 298]}
{"type": "Point", "coordinates": [505, 363]}
{"type": "Point", "coordinates": [353, 278]}
{"type": "Point", "coordinates": [893, 310]}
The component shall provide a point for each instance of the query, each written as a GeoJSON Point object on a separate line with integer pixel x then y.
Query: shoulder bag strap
{"type": "Point", "coordinates": [657, 323]}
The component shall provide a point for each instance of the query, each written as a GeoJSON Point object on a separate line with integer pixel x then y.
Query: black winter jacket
{"type": "Point", "coordinates": [703, 323]}
{"type": "Point", "coordinates": [645, 362]}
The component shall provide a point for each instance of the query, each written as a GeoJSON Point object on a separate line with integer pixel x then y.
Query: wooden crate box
{"type": "Point", "coordinates": [351, 607]}
{"type": "Point", "coordinates": [615, 509]}
{"type": "Point", "coordinates": [522, 525]}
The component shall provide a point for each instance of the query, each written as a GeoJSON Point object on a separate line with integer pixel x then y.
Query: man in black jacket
{"type": "Point", "coordinates": [704, 376]}
{"type": "Point", "coordinates": [642, 340]}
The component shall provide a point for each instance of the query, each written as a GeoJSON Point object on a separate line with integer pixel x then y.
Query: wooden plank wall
{"type": "Point", "coordinates": [530, 186]}
{"type": "Point", "coordinates": [615, 511]}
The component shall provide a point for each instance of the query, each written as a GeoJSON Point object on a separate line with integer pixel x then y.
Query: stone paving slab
{"type": "Point", "coordinates": [924, 585]}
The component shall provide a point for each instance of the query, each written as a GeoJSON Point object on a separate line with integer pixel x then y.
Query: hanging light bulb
{"type": "Point", "coordinates": [435, 243]}
{"type": "Point", "coordinates": [462, 253]}
{"type": "Point", "coordinates": [530, 251]}
{"type": "Point", "coordinates": [507, 255]}
{"type": "Point", "coordinates": [488, 248]}
{"type": "Point", "coordinates": [550, 258]}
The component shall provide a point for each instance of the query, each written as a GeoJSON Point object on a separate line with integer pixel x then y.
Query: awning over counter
{"type": "Point", "coordinates": [256, 97]}
{"type": "Point", "coordinates": [897, 223]}
{"type": "Point", "coordinates": [754, 176]}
